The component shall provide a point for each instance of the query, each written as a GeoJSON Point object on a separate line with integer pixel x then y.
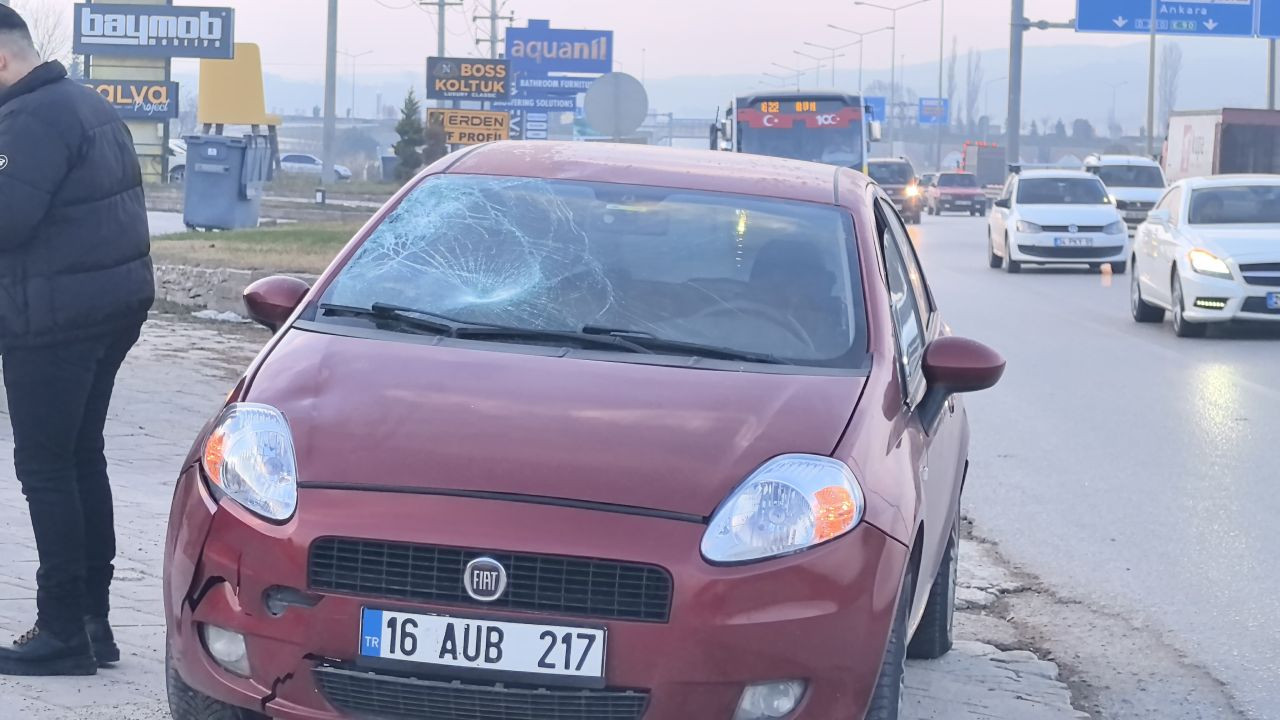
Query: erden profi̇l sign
{"type": "Point", "coordinates": [154, 31]}
{"type": "Point", "coordinates": [468, 79]}
{"type": "Point", "coordinates": [470, 127]}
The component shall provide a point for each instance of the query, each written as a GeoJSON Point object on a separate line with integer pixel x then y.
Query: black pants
{"type": "Point", "coordinates": [58, 400]}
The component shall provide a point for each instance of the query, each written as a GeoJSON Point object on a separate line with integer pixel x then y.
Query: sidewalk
{"type": "Point", "coordinates": [172, 383]}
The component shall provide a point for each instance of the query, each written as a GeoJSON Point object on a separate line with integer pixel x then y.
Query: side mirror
{"type": "Point", "coordinates": [1001, 203]}
{"type": "Point", "coordinates": [270, 301]}
{"type": "Point", "coordinates": [1159, 217]}
{"type": "Point", "coordinates": [874, 131]}
{"type": "Point", "coordinates": [956, 365]}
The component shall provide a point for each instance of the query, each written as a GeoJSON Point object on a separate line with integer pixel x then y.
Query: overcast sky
{"type": "Point", "coordinates": [669, 37]}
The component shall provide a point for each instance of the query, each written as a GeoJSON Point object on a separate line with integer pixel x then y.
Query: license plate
{"type": "Point", "coordinates": [1273, 301]}
{"type": "Point", "coordinates": [960, 202]}
{"type": "Point", "coordinates": [1135, 216]}
{"type": "Point", "coordinates": [1073, 242]}
{"type": "Point", "coordinates": [528, 649]}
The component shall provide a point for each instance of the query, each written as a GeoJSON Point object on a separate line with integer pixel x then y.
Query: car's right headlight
{"type": "Point", "coordinates": [792, 503]}
{"type": "Point", "coordinates": [1028, 227]}
{"type": "Point", "coordinates": [249, 458]}
{"type": "Point", "coordinates": [1116, 228]}
{"type": "Point", "coordinates": [1206, 263]}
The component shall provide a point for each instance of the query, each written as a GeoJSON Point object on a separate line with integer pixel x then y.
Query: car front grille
{"type": "Point", "coordinates": [370, 695]}
{"type": "Point", "coordinates": [1079, 228]}
{"type": "Point", "coordinates": [1266, 274]}
{"type": "Point", "coordinates": [1258, 305]}
{"type": "Point", "coordinates": [1071, 253]}
{"type": "Point", "coordinates": [539, 583]}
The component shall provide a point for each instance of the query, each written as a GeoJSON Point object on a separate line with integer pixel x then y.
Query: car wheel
{"type": "Point", "coordinates": [1182, 327]}
{"type": "Point", "coordinates": [1010, 265]}
{"type": "Point", "coordinates": [933, 637]}
{"type": "Point", "coordinates": [1143, 311]}
{"type": "Point", "coordinates": [1119, 268]}
{"type": "Point", "coordinates": [886, 701]}
{"type": "Point", "coordinates": [994, 261]}
{"type": "Point", "coordinates": [186, 703]}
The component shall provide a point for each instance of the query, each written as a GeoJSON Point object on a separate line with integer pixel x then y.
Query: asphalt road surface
{"type": "Point", "coordinates": [1132, 471]}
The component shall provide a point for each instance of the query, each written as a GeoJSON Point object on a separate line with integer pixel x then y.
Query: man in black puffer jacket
{"type": "Point", "coordinates": [75, 287]}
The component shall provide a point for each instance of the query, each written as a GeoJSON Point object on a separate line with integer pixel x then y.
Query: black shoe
{"type": "Point", "coordinates": [105, 650]}
{"type": "Point", "coordinates": [41, 653]}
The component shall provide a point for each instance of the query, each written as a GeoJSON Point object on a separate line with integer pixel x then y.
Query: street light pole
{"type": "Point", "coordinates": [330, 92]}
{"type": "Point", "coordinates": [893, 54]}
{"type": "Point", "coordinates": [817, 70]}
{"type": "Point", "coordinates": [986, 96]}
{"type": "Point", "coordinates": [942, 61]}
{"type": "Point", "coordinates": [833, 49]}
{"type": "Point", "coordinates": [1151, 87]}
{"type": "Point", "coordinates": [354, 57]}
{"type": "Point", "coordinates": [798, 73]}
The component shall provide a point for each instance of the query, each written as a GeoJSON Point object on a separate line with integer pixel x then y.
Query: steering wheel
{"type": "Point", "coordinates": [773, 315]}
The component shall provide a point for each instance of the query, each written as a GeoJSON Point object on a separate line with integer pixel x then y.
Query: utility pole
{"type": "Point", "coordinates": [1151, 87]}
{"type": "Point", "coordinates": [330, 93]}
{"type": "Point", "coordinates": [493, 17]}
{"type": "Point", "coordinates": [441, 38]}
{"type": "Point", "coordinates": [942, 61]}
{"type": "Point", "coordinates": [1017, 26]}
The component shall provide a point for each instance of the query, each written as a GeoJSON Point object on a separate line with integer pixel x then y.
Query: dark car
{"type": "Point", "coordinates": [582, 431]}
{"type": "Point", "coordinates": [956, 192]}
{"type": "Point", "coordinates": [898, 178]}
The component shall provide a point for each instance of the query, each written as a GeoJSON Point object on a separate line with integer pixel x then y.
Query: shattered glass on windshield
{"type": "Point", "coordinates": [751, 274]}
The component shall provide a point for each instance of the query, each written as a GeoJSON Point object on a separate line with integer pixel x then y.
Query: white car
{"type": "Point", "coordinates": [1055, 217]}
{"type": "Point", "coordinates": [1209, 252]}
{"type": "Point", "coordinates": [304, 164]}
{"type": "Point", "coordinates": [1135, 184]}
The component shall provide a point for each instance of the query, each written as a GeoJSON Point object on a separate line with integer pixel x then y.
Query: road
{"type": "Point", "coordinates": [1130, 470]}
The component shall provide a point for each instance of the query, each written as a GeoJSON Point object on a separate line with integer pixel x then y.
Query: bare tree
{"type": "Point", "coordinates": [951, 76]}
{"type": "Point", "coordinates": [973, 87]}
{"type": "Point", "coordinates": [1170, 71]}
{"type": "Point", "coordinates": [49, 29]}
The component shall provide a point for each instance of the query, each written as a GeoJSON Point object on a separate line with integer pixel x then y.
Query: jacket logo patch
{"type": "Point", "coordinates": [4, 161]}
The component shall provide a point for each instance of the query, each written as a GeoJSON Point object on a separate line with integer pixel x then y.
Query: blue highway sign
{"type": "Point", "coordinates": [877, 105]}
{"type": "Point", "coordinates": [1206, 18]}
{"type": "Point", "coordinates": [934, 111]}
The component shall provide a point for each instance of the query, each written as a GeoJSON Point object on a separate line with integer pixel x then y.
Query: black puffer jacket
{"type": "Point", "coordinates": [74, 245]}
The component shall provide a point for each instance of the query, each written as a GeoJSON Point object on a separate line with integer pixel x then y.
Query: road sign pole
{"type": "Point", "coordinates": [1151, 87]}
{"type": "Point", "coordinates": [330, 93]}
{"type": "Point", "coordinates": [1271, 74]}
{"type": "Point", "coordinates": [942, 61]}
{"type": "Point", "coordinates": [1014, 120]}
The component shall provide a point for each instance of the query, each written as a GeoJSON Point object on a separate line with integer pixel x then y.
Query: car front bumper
{"type": "Point", "coordinates": [821, 616]}
{"type": "Point", "coordinates": [1239, 300]}
{"type": "Point", "coordinates": [1041, 248]}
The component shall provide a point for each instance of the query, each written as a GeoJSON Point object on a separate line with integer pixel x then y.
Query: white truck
{"type": "Point", "coordinates": [1221, 142]}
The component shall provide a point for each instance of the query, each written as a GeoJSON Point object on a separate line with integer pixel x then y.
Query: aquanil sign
{"type": "Point", "coordinates": [538, 49]}
{"type": "Point", "coordinates": [154, 31]}
{"type": "Point", "coordinates": [139, 99]}
{"type": "Point", "coordinates": [843, 118]}
{"type": "Point", "coordinates": [467, 79]}
{"type": "Point", "coordinates": [470, 127]}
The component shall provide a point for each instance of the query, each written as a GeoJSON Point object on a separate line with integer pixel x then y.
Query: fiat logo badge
{"type": "Point", "coordinates": [485, 579]}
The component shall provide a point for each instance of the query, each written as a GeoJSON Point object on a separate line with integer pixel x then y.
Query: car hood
{"type": "Point", "coordinates": [403, 414]}
{"type": "Point", "coordinates": [1069, 214]}
{"type": "Point", "coordinates": [961, 191]}
{"type": "Point", "coordinates": [1241, 242]}
{"type": "Point", "coordinates": [1137, 194]}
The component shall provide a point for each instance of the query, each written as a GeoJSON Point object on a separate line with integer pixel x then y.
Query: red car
{"type": "Point", "coordinates": [956, 192]}
{"type": "Point", "coordinates": [582, 431]}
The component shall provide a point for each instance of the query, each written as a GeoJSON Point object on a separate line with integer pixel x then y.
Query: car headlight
{"type": "Point", "coordinates": [1116, 228]}
{"type": "Point", "coordinates": [1028, 227]}
{"type": "Point", "coordinates": [1206, 263]}
{"type": "Point", "coordinates": [793, 502]}
{"type": "Point", "coordinates": [249, 458]}
{"type": "Point", "coordinates": [912, 191]}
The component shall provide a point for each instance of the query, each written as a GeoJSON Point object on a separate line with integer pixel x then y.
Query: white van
{"type": "Point", "coordinates": [1136, 184]}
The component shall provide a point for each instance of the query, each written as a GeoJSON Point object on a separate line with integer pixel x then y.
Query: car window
{"type": "Point", "coordinates": [1172, 201]}
{"type": "Point", "coordinates": [294, 159]}
{"type": "Point", "coordinates": [1061, 191]}
{"type": "Point", "coordinates": [1009, 187]}
{"type": "Point", "coordinates": [752, 274]}
{"type": "Point", "coordinates": [957, 180]}
{"type": "Point", "coordinates": [1235, 205]}
{"type": "Point", "coordinates": [890, 173]}
{"type": "Point", "coordinates": [904, 299]}
{"type": "Point", "coordinates": [1139, 176]}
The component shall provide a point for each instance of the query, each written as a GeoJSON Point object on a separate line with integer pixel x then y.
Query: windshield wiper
{"type": "Point", "coordinates": [438, 324]}
{"type": "Point", "coordinates": [680, 347]}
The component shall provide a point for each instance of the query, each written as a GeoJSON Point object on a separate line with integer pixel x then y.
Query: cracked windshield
{"type": "Point", "coordinates": [679, 360]}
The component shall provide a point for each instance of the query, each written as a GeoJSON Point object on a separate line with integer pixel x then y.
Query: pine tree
{"type": "Point", "coordinates": [412, 136]}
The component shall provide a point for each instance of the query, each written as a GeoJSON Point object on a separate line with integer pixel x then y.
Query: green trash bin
{"type": "Point", "coordinates": [224, 181]}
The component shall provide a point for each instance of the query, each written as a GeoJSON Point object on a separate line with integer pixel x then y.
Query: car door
{"type": "Point", "coordinates": [936, 452]}
{"type": "Point", "coordinates": [1164, 245]}
{"type": "Point", "coordinates": [999, 218]}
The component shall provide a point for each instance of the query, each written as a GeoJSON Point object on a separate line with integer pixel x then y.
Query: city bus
{"type": "Point", "coordinates": [825, 127]}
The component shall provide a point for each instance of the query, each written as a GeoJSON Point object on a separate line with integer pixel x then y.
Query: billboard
{"type": "Point", "coordinates": [470, 127]}
{"type": "Point", "coordinates": [468, 79]}
{"type": "Point", "coordinates": [139, 99]}
{"type": "Point", "coordinates": [154, 31]}
{"type": "Point", "coordinates": [934, 111]}
{"type": "Point", "coordinates": [538, 50]}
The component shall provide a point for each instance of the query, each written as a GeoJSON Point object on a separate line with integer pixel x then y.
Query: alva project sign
{"type": "Point", "coordinates": [468, 79]}
{"type": "Point", "coordinates": [154, 31]}
{"type": "Point", "coordinates": [139, 99]}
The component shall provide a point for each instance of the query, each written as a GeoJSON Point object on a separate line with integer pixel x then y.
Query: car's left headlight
{"type": "Point", "coordinates": [792, 503]}
{"type": "Point", "coordinates": [1206, 263]}
{"type": "Point", "coordinates": [249, 458]}
{"type": "Point", "coordinates": [1116, 228]}
{"type": "Point", "coordinates": [913, 190]}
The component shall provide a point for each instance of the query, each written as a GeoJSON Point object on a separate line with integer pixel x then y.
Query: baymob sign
{"type": "Point", "coordinates": [158, 31]}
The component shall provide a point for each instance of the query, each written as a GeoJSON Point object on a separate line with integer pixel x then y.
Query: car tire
{"type": "Point", "coordinates": [886, 700]}
{"type": "Point", "coordinates": [934, 636]}
{"type": "Point", "coordinates": [1010, 265]}
{"type": "Point", "coordinates": [1119, 268]}
{"type": "Point", "coordinates": [1182, 327]}
{"type": "Point", "coordinates": [1142, 311]}
{"type": "Point", "coordinates": [994, 261]}
{"type": "Point", "coordinates": [186, 703]}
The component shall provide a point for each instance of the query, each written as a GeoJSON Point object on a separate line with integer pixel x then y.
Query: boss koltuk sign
{"type": "Point", "coordinates": [154, 31]}
{"type": "Point", "coordinates": [468, 79]}
{"type": "Point", "coordinates": [139, 99]}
